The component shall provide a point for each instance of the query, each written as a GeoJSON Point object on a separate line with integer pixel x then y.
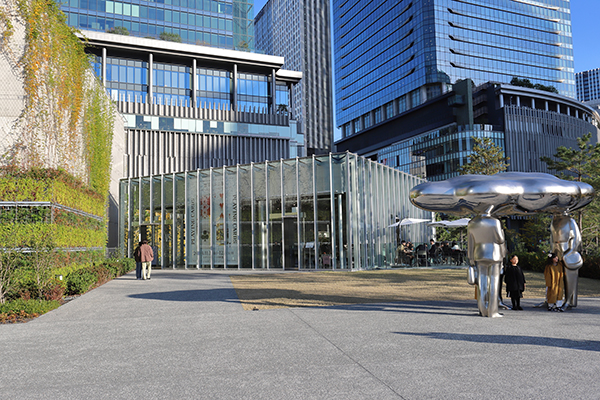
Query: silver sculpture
{"type": "Point", "coordinates": [566, 243]}
{"type": "Point", "coordinates": [486, 251]}
{"type": "Point", "coordinates": [510, 193]}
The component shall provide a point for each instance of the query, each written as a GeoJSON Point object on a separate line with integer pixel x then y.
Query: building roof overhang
{"type": "Point", "coordinates": [537, 94]}
{"type": "Point", "coordinates": [155, 46]}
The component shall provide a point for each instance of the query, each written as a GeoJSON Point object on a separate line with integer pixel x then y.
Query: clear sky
{"type": "Point", "coordinates": [585, 15]}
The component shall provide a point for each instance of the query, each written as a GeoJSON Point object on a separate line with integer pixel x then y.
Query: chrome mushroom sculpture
{"type": "Point", "coordinates": [503, 194]}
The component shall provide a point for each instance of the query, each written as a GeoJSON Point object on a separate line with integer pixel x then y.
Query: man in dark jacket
{"type": "Point", "coordinates": [137, 256]}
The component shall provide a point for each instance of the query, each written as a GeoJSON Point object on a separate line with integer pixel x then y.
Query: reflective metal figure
{"type": "Point", "coordinates": [566, 243]}
{"type": "Point", "coordinates": [511, 193]}
{"type": "Point", "coordinates": [486, 252]}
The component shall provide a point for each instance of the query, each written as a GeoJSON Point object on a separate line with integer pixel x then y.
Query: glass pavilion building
{"type": "Point", "coordinates": [319, 212]}
{"type": "Point", "coordinates": [391, 56]}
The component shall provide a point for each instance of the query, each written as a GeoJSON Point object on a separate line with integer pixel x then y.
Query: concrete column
{"type": "Point", "coordinates": [501, 100]}
{"type": "Point", "coordinates": [150, 82]}
{"type": "Point", "coordinates": [547, 107]}
{"type": "Point", "coordinates": [532, 103]}
{"type": "Point", "coordinates": [234, 88]}
{"type": "Point", "coordinates": [518, 101]}
{"type": "Point", "coordinates": [194, 84]}
{"type": "Point", "coordinates": [273, 92]}
{"type": "Point", "coordinates": [104, 67]}
{"type": "Point", "coordinates": [290, 108]}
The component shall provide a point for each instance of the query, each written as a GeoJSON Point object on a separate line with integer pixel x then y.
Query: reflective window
{"type": "Point", "coordinates": [253, 92]}
{"type": "Point", "coordinates": [214, 88]}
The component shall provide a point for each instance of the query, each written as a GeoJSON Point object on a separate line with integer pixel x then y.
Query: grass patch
{"type": "Point", "coordinates": [329, 288]}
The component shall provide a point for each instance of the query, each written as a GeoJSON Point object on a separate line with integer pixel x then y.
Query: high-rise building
{"type": "Point", "coordinates": [588, 87]}
{"type": "Point", "coordinates": [434, 140]}
{"type": "Point", "coordinates": [299, 30]}
{"type": "Point", "coordinates": [225, 24]}
{"type": "Point", "coordinates": [394, 55]}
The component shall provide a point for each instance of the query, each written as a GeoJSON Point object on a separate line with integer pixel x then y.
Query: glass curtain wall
{"type": "Point", "coordinates": [322, 212]}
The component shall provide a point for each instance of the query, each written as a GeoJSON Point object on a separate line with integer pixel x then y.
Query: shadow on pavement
{"type": "Point", "coordinates": [589, 345]}
{"type": "Point", "coordinates": [225, 295]}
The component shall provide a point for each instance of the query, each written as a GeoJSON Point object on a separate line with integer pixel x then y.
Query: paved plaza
{"type": "Point", "coordinates": [184, 334]}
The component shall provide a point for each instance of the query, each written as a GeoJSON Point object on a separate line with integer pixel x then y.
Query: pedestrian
{"type": "Point", "coordinates": [554, 274]}
{"type": "Point", "coordinates": [515, 282]}
{"type": "Point", "coordinates": [137, 256]}
{"type": "Point", "coordinates": [146, 257]}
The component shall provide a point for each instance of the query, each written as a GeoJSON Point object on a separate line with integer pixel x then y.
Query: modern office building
{"type": "Point", "coordinates": [391, 56]}
{"type": "Point", "coordinates": [588, 87]}
{"type": "Point", "coordinates": [225, 24]}
{"type": "Point", "coordinates": [319, 212]}
{"type": "Point", "coordinates": [190, 107]}
{"type": "Point", "coordinates": [434, 139]}
{"type": "Point", "coordinates": [299, 30]}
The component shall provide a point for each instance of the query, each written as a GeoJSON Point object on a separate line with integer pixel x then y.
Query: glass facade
{"type": "Point", "coordinates": [300, 31]}
{"type": "Point", "coordinates": [128, 79]}
{"type": "Point", "coordinates": [437, 155]}
{"type": "Point", "coordinates": [387, 50]}
{"type": "Point", "coordinates": [226, 24]}
{"type": "Point", "coordinates": [588, 85]}
{"type": "Point", "coordinates": [320, 212]}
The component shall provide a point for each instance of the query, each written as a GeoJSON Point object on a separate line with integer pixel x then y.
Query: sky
{"type": "Point", "coordinates": [584, 17]}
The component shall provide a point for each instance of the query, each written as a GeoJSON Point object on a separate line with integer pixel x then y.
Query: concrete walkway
{"type": "Point", "coordinates": [184, 334]}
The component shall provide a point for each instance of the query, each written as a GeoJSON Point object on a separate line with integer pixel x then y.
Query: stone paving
{"type": "Point", "coordinates": [184, 334]}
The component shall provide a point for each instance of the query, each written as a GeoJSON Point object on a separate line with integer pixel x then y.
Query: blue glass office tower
{"type": "Point", "coordinates": [225, 23]}
{"type": "Point", "coordinates": [393, 55]}
{"type": "Point", "coordinates": [588, 87]}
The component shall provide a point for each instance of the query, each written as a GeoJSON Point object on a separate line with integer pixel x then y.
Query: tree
{"type": "Point", "coordinates": [527, 83]}
{"type": "Point", "coordinates": [170, 37]}
{"type": "Point", "coordinates": [583, 165]}
{"type": "Point", "coordinates": [486, 158]}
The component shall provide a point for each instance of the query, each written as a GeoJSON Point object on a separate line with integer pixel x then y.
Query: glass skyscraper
{"type": "Point", "coordinates": [588, 86]}
{"type": "Point", "coordinates": [225, 23]}
{"type": "Point", "coordinates": [299, 31]}
{"type": "Point", "coordinates": [394, 55]}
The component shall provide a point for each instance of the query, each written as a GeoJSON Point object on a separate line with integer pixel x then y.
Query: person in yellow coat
{"type": "Point", "coordinates": [553, 274]}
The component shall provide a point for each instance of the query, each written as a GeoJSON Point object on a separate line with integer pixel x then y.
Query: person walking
{"type": "Point", "coordinates": [515, 282]}
{"type": "Point", "coordinates": [137, 256]}
{"type": "Point", "coordinates": [146, 257]}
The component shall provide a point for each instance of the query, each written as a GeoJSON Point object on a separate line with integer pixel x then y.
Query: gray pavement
{"type": "Point", "coordinates": [184, 334]}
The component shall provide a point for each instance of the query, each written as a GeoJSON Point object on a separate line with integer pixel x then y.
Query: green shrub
{"type": "Point", "coordinates": [80, 281]}
{"type": "Point", "coordinates": [591, 267]}
{"type": "Point", "coordinates": [29, 307]}
{"type": "Point", "coordinates": [102, 273]}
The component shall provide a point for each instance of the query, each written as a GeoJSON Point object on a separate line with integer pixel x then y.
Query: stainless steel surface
{"type": "Point", "coordinates": [486, 251]}
{"type": "Point", "coordinates": [510, 193]}
{"type": "Point", "coordinates": [566, 243]}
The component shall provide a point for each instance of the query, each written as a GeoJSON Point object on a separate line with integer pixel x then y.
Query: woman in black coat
{"type": "Point", "coordinates": [515, 282]}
